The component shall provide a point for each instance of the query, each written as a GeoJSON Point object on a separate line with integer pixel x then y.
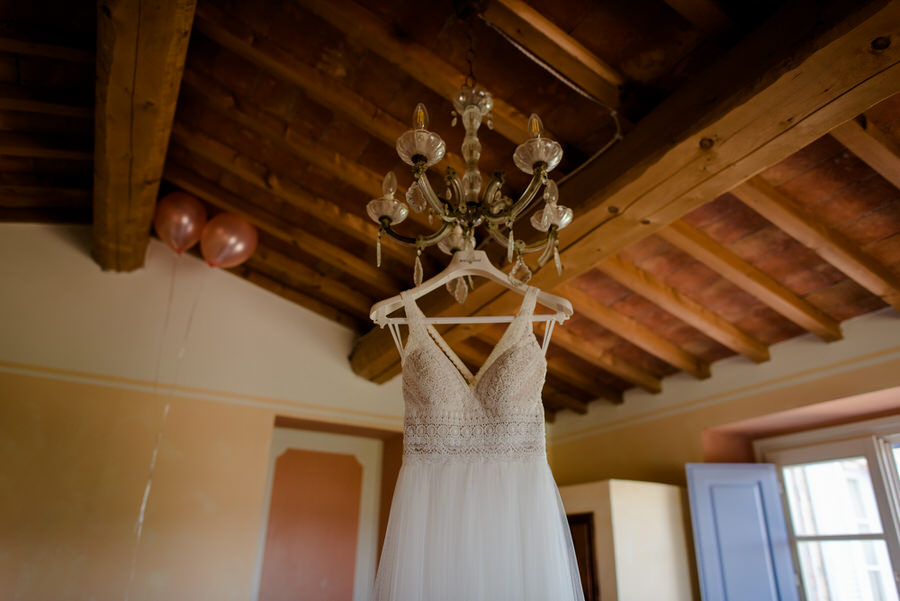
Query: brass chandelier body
{"type": "Point", "coordinates": [466, 203]}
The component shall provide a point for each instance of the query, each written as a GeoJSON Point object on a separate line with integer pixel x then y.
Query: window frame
{"type": "Point", "coordinates": [872, 440]}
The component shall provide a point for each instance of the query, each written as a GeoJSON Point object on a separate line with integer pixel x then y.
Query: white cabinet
{"type": "Point", "coordinates": [641, 547]}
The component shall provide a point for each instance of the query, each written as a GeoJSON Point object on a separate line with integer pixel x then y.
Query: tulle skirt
{"type": "Point", "coordinates": [477, 531]}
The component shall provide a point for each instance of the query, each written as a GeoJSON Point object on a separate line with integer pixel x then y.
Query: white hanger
{"type": "Point", "coordinates": [463, 264]}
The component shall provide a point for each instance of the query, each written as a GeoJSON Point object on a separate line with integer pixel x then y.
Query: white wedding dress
{"type": "Point", "coordinates": [476, 514]}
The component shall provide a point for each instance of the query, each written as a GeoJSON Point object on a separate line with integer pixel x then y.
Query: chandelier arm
{"type": "Point", "coordinates": [521, 246]}
{"type": "Point", "coordinates": [513, 212]}
{"type": "Point", "coordinates": [429, 240]}
{"type": "Point", "coordinates": [439, 206]}
{"type": "Point", "coordinates": [456, 185]}
{"type": "Point", "coordinates": [537, 179]}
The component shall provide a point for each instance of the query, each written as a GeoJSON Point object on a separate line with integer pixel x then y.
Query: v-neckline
{"type": "Point", "coordinates": [469, 379]}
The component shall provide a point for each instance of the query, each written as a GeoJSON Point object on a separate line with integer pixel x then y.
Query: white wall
{"type": "Point", "coordinates": [62, 317]}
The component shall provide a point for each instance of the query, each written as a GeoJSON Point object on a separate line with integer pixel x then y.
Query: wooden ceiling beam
{"type": "Point", "coordinates": [752, 280]}
{"type": "Point", "coordinates": [18, 98]}
{"type": "Point", "coordinates": [368, 30]}
{"type": "Point", "coordinates": [684, 308]}
{"type": "Point", "coordinates": [539, 37]}
{"type": "Point", "coordinates": [63, 53]}
{"type": "Point", "coordinates": [41, 146]}
{"type": "Point", "coordinates": [43, 196]}
{"type": "Point", "coordinates": [605, 360]}
{"type": "Point", "coordinates": [311, 282]}
{"type": "Point", "coordinates": [831, 245]}
{"type": "Point", "coordinates": [810, 67]}
{"type": "Point", "coordinates": [229, 159]}
{"type": "Point", "coordinates": [325, 251]}
{"type": "Point", "coordinates": [233, 35]}
{"type": "Point", "coordinates": [704, 15]}
{"type": "Point", "coordinates": [877, 149]}
{"type": "Point", "coordinates": [293, 295]}
{"type": "Point", "coordinates": [141, 51]}
{"type": "Point", "coordinates": [634, 332]}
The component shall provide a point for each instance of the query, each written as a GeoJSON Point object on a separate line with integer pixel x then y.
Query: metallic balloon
{"type": "Point", "coordinates": [178, 220]}
{"type": "Point", "coordinates": [227, 241]}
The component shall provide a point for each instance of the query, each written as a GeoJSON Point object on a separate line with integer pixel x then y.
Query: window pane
{"type": "Point", "coordinates": [846, 571]}
{"type": "Point", "coordinates": [832, 497]}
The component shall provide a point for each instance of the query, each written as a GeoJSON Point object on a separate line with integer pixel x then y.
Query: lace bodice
{"type": "Point", "coordinates": [453, 415]}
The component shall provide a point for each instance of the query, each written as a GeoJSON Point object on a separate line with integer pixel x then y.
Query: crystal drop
{"type": "Point", "coordinates": [551, 192]}
{"type": "Point", "coordinates": [378, 250]}
{"type": "Point", "coordinates": [460, 291]}
{"type": "Point", "coordinates": [556, 260]}
{"type": "Point", "coordinates": [448, 194]}
{"type": "Point", "coordinates": [430, 217]}
{"type": "Point", "coordinates": [415, 198]}
{"type": "Point", "coordinates": [490, 121]}
{"type": "Point", "coordinates": [510, 245]}
{"type": "Point", "coordinates": [417, 270]}
{"type": "Point", "coordinates": [520, 274]}
{"type": "Point", "coordinates": [471, 283]}
{"type": "Point", "coordinates": [454, 120]}
{"type": "Point", "coordinates": [450, 286]}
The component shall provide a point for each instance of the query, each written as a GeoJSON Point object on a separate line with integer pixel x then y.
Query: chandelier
{"type": "Point", "coordinates": [463, 208]}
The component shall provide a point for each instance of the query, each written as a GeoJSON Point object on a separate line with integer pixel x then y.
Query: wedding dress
{"type": "Point", "coordinates": [476, 514]}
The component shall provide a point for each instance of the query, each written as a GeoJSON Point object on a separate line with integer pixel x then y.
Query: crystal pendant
{"type": "Point", "coordinates": [556, 260]}
{"type": "Point", "coordinates": [415, 198]}
{"type": "Point", "coordinates": [520, 273]}
{"type": "Point", "coordinates": [510, 245]}
{"type": "Point", "coordinates": [378, 249]}
{"type": "Point", "coordinates": [460, 291]}
{"type": "Point", "coordinates": [417, 269]}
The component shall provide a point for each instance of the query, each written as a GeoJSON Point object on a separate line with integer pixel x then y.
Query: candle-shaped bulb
{"type": "Point", "coordinates": [420, 117]}
{"type": "Point", "coordinates": [535, 127]}
{"type": "Point", "coordinates": [389, 185]}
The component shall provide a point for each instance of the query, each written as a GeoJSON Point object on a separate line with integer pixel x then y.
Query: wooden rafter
{"type": "Point", "coordinates": [752, 280]}
{"type": "Point", "coordinates": [43, 196]}
{"type": "Point", "coordinates": [295, 296]}
{"type": "Point", "coordinates": [606, 361]}
{"type": "Point", "coordinates": [831, 245]}
{"type": "Point", "coordinates": [556, 49]}
{"type": "Point", "coordinates": [141, 51]}
{"type": "Point", "coordinates": [213, 95]}
{"type": "Point", "coordinates": [17, 98]}
{"type": "Point", "coordinates": [806, 70]}
{"type": "Point", "coordinates": [704, 15]}
{"type": "Point", "coordinates": [634, 332]}
{"type": "Point", "coordinates": [335, 293]}
{"type": "Point", "coordinates": [365, 28]}
{"type": "Point", "coordinates": [228, 159]}
{"type": "Point", "coordinates": [327, 252]}
{"type": "Point", "coordinates": [209, 94]}
{"type": "Point", "coordinates": [232, 34]}
{"type": "Point", "coordinates": [44, 146]}
{"type": "Point", "coordinates": [877, 149]}
{"type": "Point", "coordinates": [63, 53]}
{"type": "Point", "coordinates": [684, 308]}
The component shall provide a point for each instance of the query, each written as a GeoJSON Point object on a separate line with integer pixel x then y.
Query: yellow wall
{"type": "Point", "coordinates": [75, 465]}
{"type": "Point", "coordinates": [654, 438]}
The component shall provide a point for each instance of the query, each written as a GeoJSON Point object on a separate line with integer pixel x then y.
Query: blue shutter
{"type": "Point", "coordinates": [740, 537]}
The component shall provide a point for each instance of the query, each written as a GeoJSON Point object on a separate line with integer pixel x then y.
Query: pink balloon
{"type": "Point", "coordinates": [227, 241]}
{"type": "Point", "coordinates": [178, 221]}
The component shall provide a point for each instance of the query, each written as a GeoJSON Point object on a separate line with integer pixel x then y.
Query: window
{"type": "Point", "coordinates": [840, 490]}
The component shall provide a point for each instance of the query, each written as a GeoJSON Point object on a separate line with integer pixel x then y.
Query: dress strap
{"type": "Point", "coordinates": [529, 302]}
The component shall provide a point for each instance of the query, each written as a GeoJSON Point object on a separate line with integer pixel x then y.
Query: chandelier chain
{"type": "Point", "coordinates": [470, 56]}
